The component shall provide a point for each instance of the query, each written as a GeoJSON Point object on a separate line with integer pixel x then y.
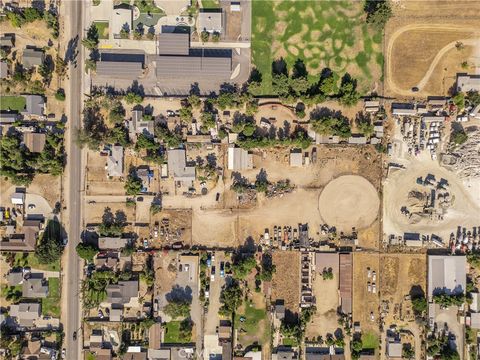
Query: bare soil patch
{"type": "Point", "coordinates": [286, 280]}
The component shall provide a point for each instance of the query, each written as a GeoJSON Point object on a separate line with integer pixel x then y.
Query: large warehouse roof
{"type": "Point", "coordinates": [173, 43]}
{"type": "Point", "coordinates": [446, 274]}
{"type": "Point", "coordinates": [119, 70]}
{"type": "Point", "coordinates": [168, 66]}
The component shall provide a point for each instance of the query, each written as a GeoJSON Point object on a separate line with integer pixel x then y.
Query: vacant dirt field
{"type": "Point", "coordinates": [286, 280]}
{"type": "Point", "coordinates": [400, 273]}
{"type": "Point", "coordinates": [94, 212]}
{"type": "Point", "coordinates": [355, 202]}
{"type": "Point", "coordinates": [325, 320]}
{"type": "Point", "coordinates": [364, 302]}
{"type": "Point", "coordinates": [420, 45]}
{"type": "Point", "coordinates": [97, 181]}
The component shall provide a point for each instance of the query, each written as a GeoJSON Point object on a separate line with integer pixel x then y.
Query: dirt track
{"type": "Point", "coordinates": [393, 87]}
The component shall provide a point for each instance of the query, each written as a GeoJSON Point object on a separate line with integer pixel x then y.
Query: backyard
{"type": "Point", "coordinates": [173, 334]}
{"type": "Point", "coordinates": [13, 103]}
{"type": "Point", "coordinates": [249, 321]}
{"type": "Point", "coordinates": [369, 341]}
{"type": "Point", "coordinates": [24, 259]}
{"type": "Point", "coordinates": [210, 4]}
{"type": "Point", "coordinates": [51, 304]}
{"type": "Point", "coordinates": [322, 33]}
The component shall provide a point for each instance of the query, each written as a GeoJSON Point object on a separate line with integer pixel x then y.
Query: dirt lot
{"type": "Point", "coordinates": [421, 45]}
{"type": "Point", "coordinates": [364, 302]}
{"type": "Point", "coordinates": [401, 274]}
{"type": "Point", "coordinates": [173, 226]}
{"type": "Point", "coordinates": [45, 185]}
{"type": "Point", "coordinates": [463, 211]}
{"type": "Point", "coordinates": [97, 181]}
{"type": "Point", "coordinates": [94, 212]}
{"type": "Point", "coordinates": [286, 280]}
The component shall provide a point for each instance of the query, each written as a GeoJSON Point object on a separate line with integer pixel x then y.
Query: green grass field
{"type": "Point", "coordinates": [147, 6]}
{"type": "Point", "coordinates": [322, 33]}
{"type": "Point", "coordinates": [14, 103]}
{"type": "Point", "coordinates": [29, 259]}
{"type": "Point", "coordinates": [102, 27]}
{"type": "Point", "coordinates": [210, 4]}
{"type": "Point", "coordinates": [251, 329]}
{"type": "Point", "coordinates": [51, 304]}
{"type": "Point", "coordinates": [172, 333]}
{"type": "Point", "coordinates": [370, 340]}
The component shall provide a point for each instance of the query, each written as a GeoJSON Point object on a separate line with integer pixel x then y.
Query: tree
{"type": "Point", "coordinates": [204, 36]}
{"type": "Point", "coordinates": [243, 267]}
{"type": "Point", "coordinates": [268, 268]}
{"type": "Point", "coordinates": [124, 33]}
{"type": "Point", "coordinates": [216, 37]}
{"type": "Point", "coordinates": [458, 136]}
{"type": "Point", "coordinates": [249, 129]}
{"type": "Point", "coordinates": [60, 95]}
{"type": "Point", "coordinates": [133, 185]}
{"type": "Point", "coordinates": [90, 65]}
{"type": "Point", "coordinates": [86, 251]}
{"type": "Point", "coordinates": [327, 274]}
{"type": "Point", "coordinates": [407, 351]}
{"type": "Point", "coordinates": [186, 113]}
{"type": "Point", "coordinates": [117, 113]}
{"type": "Point", "coordinates": [177, 309]}
{"type": "Point", "coordinates": [194, 100]}
{"type": "Point", "coordinates": [337, 126]}
{"type": "Point", "coordinates": [91, 41]}
{"type": "Point", "coordinates": [459, 100]}
{"type": "Point", "coordinates": [473, 97]}
{"type": "Point", "coordinates": [348, 94]}
{"type": "Point", "coordinates": [50, 247]}
{"type": "Point", "coordinates": [31, 14]}
{"type": "Point", "coordinates": [328, 83]}
{"type": "Point", "coordinates": [365, 125]}
{"type": "Point", "coordinates": [16, 19]}
{"type": "Point", "coordinates": [60, 67]}
{"type": "Point", "coordinates": [378, 13]}
{"type": "Point", "coordinates": [208, 121]}
{"type": "Point", "coordinates": [419, 305]}
{"type": "Point", "coordinates": [185, 330]}
{"type": "Point", "coordinates": [133, 98]}
{"type": "Point", "coordinates": [231, 298]}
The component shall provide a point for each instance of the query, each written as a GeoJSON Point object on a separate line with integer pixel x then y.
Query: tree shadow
{"type": "Point", "coordinates": [279, 67]}
{"type": "Point", "coordinates": [255, 76]}
{"type": "Point", "coordinates": [299, 69]}
{"type": "Point", "coordinates": [195, 89]}
{"type": "Point", "coordinates": [183, 294]}
{"type": "Point", "coordinates": [262, 176]}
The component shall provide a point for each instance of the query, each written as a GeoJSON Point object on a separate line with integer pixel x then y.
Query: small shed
{"type": "Point", "coordinates": [296, 158]}
{"type": "Point", "coordinates": [18, 198]}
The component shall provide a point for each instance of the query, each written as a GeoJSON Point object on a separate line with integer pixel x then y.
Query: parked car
{"type": "Point", "coordinates": [369, 287]}
{"type": "Point", "coordinates": [369, 273]}
{"type": "Point", "coordinates": [222, 269]}
{"type": "Point", "coordinates": [415, 89]}
{"type": "Point", "coordinates": [65, 241]}
{"type": "Point", "coordinates": [212, 274]}
{"type": "Point", "coordinates": [217, 197]}
{"type": "Point", "coordinates": [100, 314]}
{"type": "Point", "coordinates": [74, 336]}
{"type": "Point", "coordinates": [374, 276]}
{"type": "Point", "coordinates": [374, 288]}
{"type": "Point", "coordinates": [31, 206]}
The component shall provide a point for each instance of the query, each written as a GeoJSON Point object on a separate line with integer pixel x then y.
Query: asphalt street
{"type": "Point", "coordinates": [72, 275]}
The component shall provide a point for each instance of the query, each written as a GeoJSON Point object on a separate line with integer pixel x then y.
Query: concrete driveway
{"type": "Point", "coordinates": [40, 206]}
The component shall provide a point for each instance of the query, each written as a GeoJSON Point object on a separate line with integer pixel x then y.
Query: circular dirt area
{"type": "Point", "coordinates": [349, 201]}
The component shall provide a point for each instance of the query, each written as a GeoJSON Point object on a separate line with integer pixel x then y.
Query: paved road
{"type": "Point", "coordinates": [72, 276]}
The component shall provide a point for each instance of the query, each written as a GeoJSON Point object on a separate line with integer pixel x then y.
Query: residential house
{"type": "Point", "coordinates": [110, 262]}
{"type": "Point", "coordinates": [137, 125]}
{"type": "Point", "coordinates": [475, 321]}
{"type": "Point", "coordinates": [35, 286]}
{"type": "Point", "coordinates": [178, 169]}
{"type": "Point", "coordinates": [7, 40]}
{"type": "Point", "coordinates": [23, 241]}
{"type": "Point", "coordinates": [357, 140]}
{"type": "Point", "coordinates": [239, 159]}
{"type": "Point", "coordinates": [123, 292]}
{"type": "Point", "coordinates": [296, 158]}
{"type": "Point", "coordinates": [25, 314]}
{"type": "Point", "coordinates": [35, 106]}
{"type": "Point", "coordinates": [8, 118]}
{"type": "Point", "coordinates": [4, 70]}
{"type": "Point", "coordinates": [146, 175]}
{"type": "Point", "coordinates": [115, 162]}
{"type": "Point", "coordinates": [210, 21]}
{"type": "Point", "coordinates": [403, 109]}
{"type": "Point", "coordinates": [122, 18]}
{"type": "Point", "coordinates": [284, 353]}
{"type": "Point", "coordinates": [394, 350]}
{"type": "Point", "coordinates": [32, 57]}
{"type": "Point", "coordinates": [101, 354]}
{"type": "Point", "coordinates": [35, 142]}
{"type": "Point", "coordinates": [116, 314]}
{"type": "Point", "coordinates": [134, 353]}
{"type": "Point", "coordinates": [466, 83]}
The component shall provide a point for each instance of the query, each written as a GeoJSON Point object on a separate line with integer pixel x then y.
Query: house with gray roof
{"type": "Point", "coordinates": [4, 70]}
{"type": "Point", "coordinates": [7, 40]}
{"type": "Point", "coordinates": [32, 57]}
{"type": "Point", "coordinates": [137, 125]}
{"type": "Point", "coordinates": [177, 167]}
{"type": "Point", "coordinates": [116, 314]}
{"type": "Point", "coordinates": [35, 286]}
{"type": "Point", "coordinates": [466, 83]}
{"type": "Point", "coordinates": [15, 277]}
{"type": "Point", "coordinates": [123, 292]}
{"type": "Point", "coordinates": [284, 353]}
{"type": "Point", "coordinates": [25, 314]}
{"type": "Point", "coordinates": [35, 105]}
{"type": "Point", "coordinates": [115, 161]}
{"type": "Point", "coordinates": [210, 21]}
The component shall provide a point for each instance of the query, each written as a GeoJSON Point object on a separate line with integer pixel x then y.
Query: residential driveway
{"type": "Point", "coordinates": [450, 318]}
{"type": "Point", "coordinates": [41, 206]}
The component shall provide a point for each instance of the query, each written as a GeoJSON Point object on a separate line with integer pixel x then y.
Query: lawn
{"type": "Point", "coordinates": [147, 6]}
{"type": "Point", "coordinates": [51, 304]}
{"type": "Point", "coordinates": [369, 340]}
{"type": "Point", "coordinates": [290, 342]}
{"type": "Point", "coordinates": [210, 4]}
{"type": "Point", "coordinates": [29, 259]}
{"type": "Point", "coordinates": [322, 33]}
{"type": "Point", "coordinates": [102, 28]}
{"type": "Point", "coordinates": [16, 103]}
{"type": "Point", "coordinates": [250, 321]}
{"type": "Point", "coordinates": [172, 333]}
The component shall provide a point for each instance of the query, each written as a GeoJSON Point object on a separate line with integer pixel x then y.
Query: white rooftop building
{"type": "Point", "coordinates": [446, 274]}
{"type": "Point", "coordinates": [115, 162]}
{"type": "Point", "coordinates": [239, 159]}
{"type": "Point", "coordinates": [466, 83]}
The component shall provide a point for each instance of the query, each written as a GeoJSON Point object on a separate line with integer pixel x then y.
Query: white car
{"type": "Point", "coordinates": [369, 273]}
{"type": "Point", "coordinates": [374, 276]}
{"type": "Point", "coordinates": [207, 294]}
{"type": "Point", "coordinates": [372, 317]}
{"type": "Point", "coordinates": [374, 288]}
{"type": "Point", "coordinates": [369, 287]}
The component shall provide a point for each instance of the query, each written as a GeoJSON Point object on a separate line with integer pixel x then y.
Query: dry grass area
{"type": "Point", "coordinates": [97, 180]}
{"type": "Point", "coordinates": [94, 212]}
{"type": "Point", "coordinates": [364, 302]}
{"type": "Point", "coordinates": [164, 275]}
{"type": "Point", "coordinates": [45, 185]}
{"type": "Point", "coordinates": [325, 320]}
{"type": "Point", "coordinates": [420, 45]}
{"type": "Point", "coordinates": [286, 280]}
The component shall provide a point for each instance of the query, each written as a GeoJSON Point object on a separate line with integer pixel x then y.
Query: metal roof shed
{"type": "Point", "coordinates": [173, 43]}
{"type": "Point", "coordinates": [119, 69]}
